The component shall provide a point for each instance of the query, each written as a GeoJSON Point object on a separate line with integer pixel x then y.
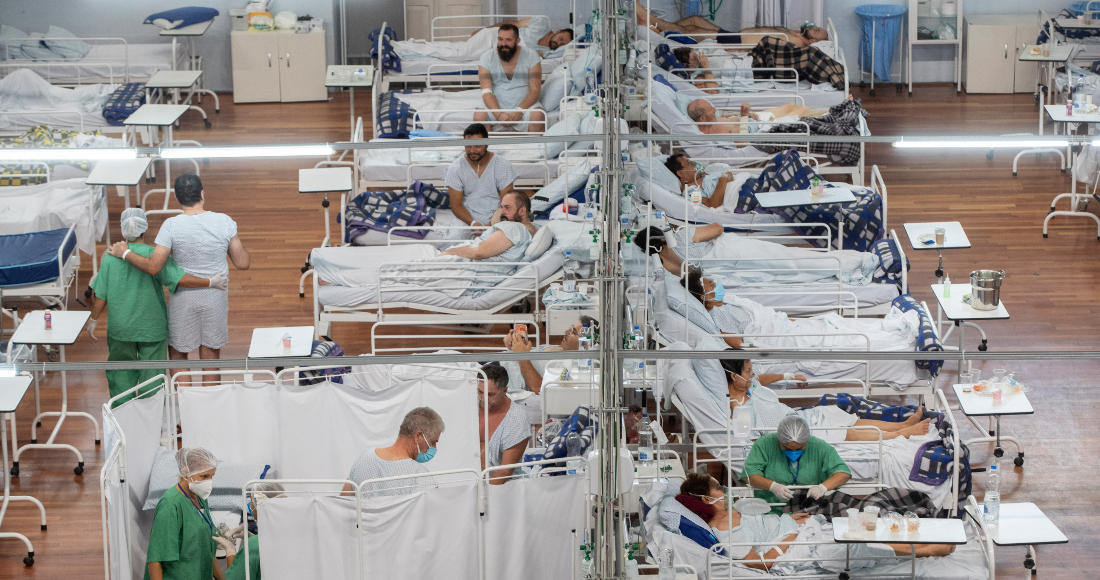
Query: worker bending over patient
{"type": "Point", "coordinates": [477, 182]}
{"type": "Point", "coordinates": [137, 318]}
{"type": "Point", "coordinates": [506, 423]}
{"type": "Point", "coordinates": [261, 493]}
{"type": "Point", "coordinates": [415, 445]}
{"type": "Point", "coordinates": [511, 82]}
{"type": "Point", "coordinates": [791, 456]}
{"type": "Point", "coordinates": [181, 541]}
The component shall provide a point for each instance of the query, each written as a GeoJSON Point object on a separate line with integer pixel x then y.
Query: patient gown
{"type": "Point", "coordinates": [736, 255]}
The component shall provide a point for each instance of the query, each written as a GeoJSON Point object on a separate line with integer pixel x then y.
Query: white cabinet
{"type": "Point", "coordinates": [993, 47]}
{"type": "Point", "coordinates": [420, 13]}
{"type": "Point", "coordinates": [277, 66]}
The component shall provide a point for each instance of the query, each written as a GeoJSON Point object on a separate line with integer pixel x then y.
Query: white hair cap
{"type": "Point", "coordinates": [133, 223]}
{"type": "Point", "coordinates": [793, 429]}
{"type": "Point", "coordinates": [261, 492]}
{"type": "Point", "coordinates": [192, 460]}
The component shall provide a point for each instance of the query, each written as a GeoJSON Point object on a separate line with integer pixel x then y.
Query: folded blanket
{"type": "Point", "coordinates": [123, 102]}
{"type": "Point", "coordinates": [889, 499]}
{"type": "Point", "coordinates": [842, 119]}
{"type": "Point", "coordinates": [811, 64]}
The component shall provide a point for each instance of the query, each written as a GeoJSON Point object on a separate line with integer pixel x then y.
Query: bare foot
{"type": "Point", "coordinates": [850, 98]}
{"type": "Point", "coordinates": [745, 109]}
{"type": "Point", "coordinates": [919, 429]}
{"type": "Point", "coordinates": [915, 417]}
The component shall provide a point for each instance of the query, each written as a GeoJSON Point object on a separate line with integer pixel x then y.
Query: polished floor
{"type": "Point", "coordinates": [1051, 293]}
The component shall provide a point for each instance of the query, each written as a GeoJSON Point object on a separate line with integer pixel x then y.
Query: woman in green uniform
{"type": "Point", "coordinates": [181, 543]}
{"type": "Point", "coordinates": [791, 456]}
{"type": "Point", "coordinates": [261, 493]}
{"type": "Point", "coordinates": [137, 318]}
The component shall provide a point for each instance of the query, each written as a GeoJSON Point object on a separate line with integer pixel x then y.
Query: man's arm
{"type": "Point", "coordinates": [513, 454]}
{"type": "Point", "coordinates": [836, 480]}
{"type": "Point", "coordinates": [497, 244]}
{"type": "Point", "coordinates": [458, 208]}
{"type": "Point", "coordinates": [238, 255]}
{"type": "Point", "coordinates": [155, 573]}
{"type": "Point", "coordinates": [189, 281]}
{"type": "Point", "coordinates": [534, 87]}
{"type": "Point", "coordinates": [707, 233]}
{"type": "Point", "coordinates": [531, 377]}
{"type": "Point", "coordinates": [486, 81]}
{"type": "Point", "coordinates": [718, 196]}
{"type": "Point", "coordinates": [97, 306]}
{"type": "Point", "coordinates": [151, 265]}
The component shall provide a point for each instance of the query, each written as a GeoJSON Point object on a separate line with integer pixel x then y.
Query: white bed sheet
{"type": "Point", "coordinates": [110, 63]}
{"type": "Point", "coordinates": [59, 204]}
{"type": "Point", "coordinates": [389, 164]}
{"type": "Point", "coordinates": [23, 94]}
{"type": "Point", "coordinates": [465, 101]}
{"type": "Point", "coordinates": [339, 297]}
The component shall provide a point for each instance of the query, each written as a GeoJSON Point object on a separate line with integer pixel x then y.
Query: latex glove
{"type": "Point", "coordinates": [781, 491]}
{"type": "Point", "coordinates": [91, 328]}
{"type": "Point", "coordinates": [229, 547]}
{"type": "Point", "coordinates": [817, 491]}
{"type": "Point", "coordinates": [237, 532]}
{"type": "Point", "coordinates": [220, 281]}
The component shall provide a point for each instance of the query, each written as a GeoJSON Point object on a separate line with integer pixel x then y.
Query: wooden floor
{"type": "Point", "coordinates": [1051, 292]}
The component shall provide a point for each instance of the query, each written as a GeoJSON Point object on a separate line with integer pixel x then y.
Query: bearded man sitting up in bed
{"type": "Point", "coordinates": [511, 83]}
{"type": "Point", "coordinates": [504, 241]}
{"type": "Point", "coordinates": [515, 206]}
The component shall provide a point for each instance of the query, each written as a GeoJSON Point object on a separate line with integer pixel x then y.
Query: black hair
{"type": "Point", "coordinates": [188, 188]}
{"type": "Point", "coordinates": [694, 284]}
{"type": "Point", "coordinates": [673, 162]}
{"type": "Point", "coordinates": [683, 54]}
{"type": "Point", "coordinates": [733, 365]}
{"type": "Point", "coordinates": [512, 27]}
{"type": "Point", "coordinates": [570, 31]}
{"type": "Point", "coordinates": [654, 236]}
{"type": "Point", "coordinates": [496, 375]}
{"type": "Point", "coordinates": [523, 201]}
{"type": "Point", "coordinates": [476, 129]}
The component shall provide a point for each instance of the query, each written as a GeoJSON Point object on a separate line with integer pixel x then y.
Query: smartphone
{"type": "Point", "coordinates": [521, 331]}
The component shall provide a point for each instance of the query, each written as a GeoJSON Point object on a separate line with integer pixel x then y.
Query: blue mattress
{"type": "Point", "coordinates": [32, 258]}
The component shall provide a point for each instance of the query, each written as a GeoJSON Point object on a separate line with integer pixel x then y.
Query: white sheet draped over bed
{"type": "Point", "coordinates": [22, 89]}
{"type": "Point", "coordinates": [463, 51]}
{"type": "Point", "coordinates": [60, 204]}
{"type": "Point", "coordinates": [784, 263]}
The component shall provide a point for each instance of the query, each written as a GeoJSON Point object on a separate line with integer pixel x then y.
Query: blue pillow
{"type": "Point", "coordinates": [661, 79]}
{"type": "Point", "coordinates": [65, 48]}
{"type": "Point", "coordinates": [187, 16]}
{"type": "Point", "coordinates": [699, 535]}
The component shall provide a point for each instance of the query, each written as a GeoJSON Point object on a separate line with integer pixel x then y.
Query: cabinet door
{"type": "Point", "coordinates": [990, 58]}
{"type": "Point", "coordinates": [1027, 73]}
{"type": "Point", "coordinates": [418, 19]}
{"type": "Point", "coordinates": [302, 67]}
{"type": "Point", "coordinates": [255, 67]}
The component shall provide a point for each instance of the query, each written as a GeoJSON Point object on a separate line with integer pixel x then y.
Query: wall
{"type": "Point", "coordinates": [115, 18]}
{"type": "Point", "coordinates": [930, 64]}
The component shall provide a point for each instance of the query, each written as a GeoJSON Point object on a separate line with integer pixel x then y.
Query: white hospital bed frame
{"type": "Point", "coordinates": [179, 58]}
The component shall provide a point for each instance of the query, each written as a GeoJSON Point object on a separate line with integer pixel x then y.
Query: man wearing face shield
{"type": "Point", "coordinates": [477, 181]}
{"type": "Point", "coordinates": [416, 444]}
{"type": "Point", "coordinates": [511, 80]}
{"type": "Point", "coordinates": [261, 494]}
{"type": "Point", "coordinates": [182, 539]}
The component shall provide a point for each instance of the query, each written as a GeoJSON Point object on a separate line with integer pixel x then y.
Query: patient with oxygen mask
{"type": "Point", "coordinates": [416, 444]}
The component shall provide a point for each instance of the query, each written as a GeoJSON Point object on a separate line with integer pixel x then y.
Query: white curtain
{"type": "Point", "coordinates": [308, 537]}
{"type": "Point", "coordinates": [528, 527]}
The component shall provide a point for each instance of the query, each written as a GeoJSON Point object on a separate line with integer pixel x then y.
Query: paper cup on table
{"type": "Point", "coordinates": [870, 517]}
{"type": "Point", "coordinates": [941, 233]}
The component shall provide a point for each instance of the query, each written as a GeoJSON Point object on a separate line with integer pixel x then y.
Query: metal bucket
{"type": "Point", "coordinates": [985, 289]}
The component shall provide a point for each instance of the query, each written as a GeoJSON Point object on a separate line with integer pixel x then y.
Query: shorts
{"type": "Point", "coordinates": [727, 37]}
{"type": "Point", "coordinates": [513, 126]}
{"type": "Point", "coordinates": [834, 417]}
{"type": "Point", "coordinates": [198, 317]}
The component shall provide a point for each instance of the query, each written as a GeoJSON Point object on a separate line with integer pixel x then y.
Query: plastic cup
{"type": "Point", "coordinates": [999, 375]}
{"type": "Point", "coordinates": [854, 520]}
{"type": "Point", "coordinates": [1046, 49]}
{"type": "Point", "coordinates": [965, 380]}
{"type": "Point", "coordinates": [894, 522]}
{"type": "Point", "coordinates": [976, 375]}
{"type": "Point", "coordinates": [912, 522]}
{"type": "Point", "coordinates": [870, 517]}
{"type": "Point", "coordinates": [940, 233]}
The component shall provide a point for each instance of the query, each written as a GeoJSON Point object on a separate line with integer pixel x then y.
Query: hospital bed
{"type": "Point", "coordinates": [69, 203]}
{"type": "Point", "coordinates": [110, 60]}
{"type": "Point", "coordinates": [40, 265]}
{"type": "Point", "coordinates": [28, 100]}
{"type": "Point", "coordinates": [494, 292]}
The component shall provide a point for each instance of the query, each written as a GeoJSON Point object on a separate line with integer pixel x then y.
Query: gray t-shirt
{"type": "Point", "coordinates": [516, 232]}
{"type": "Point", "coordinates": [370, 466]}
{"type": "Point", "coordinates": [198, 242]}
{"type": "Point", "coordinates": [513, 429]}
{"type": "Point", "coordinates": [510, 91]}
{"type": "Point", "coordinates": [480, 195]}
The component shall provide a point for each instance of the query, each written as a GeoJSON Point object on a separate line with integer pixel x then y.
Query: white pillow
{"type": "Point", "coordinates": [539, 243]}
{"type": "Point", "coordinates": [666, 109]}
{"type": "Point", "coordinates": [11, 48]}
{"type": "Point", "coordinates": [66, 48]}
{"type": "Point", "coordinates": [553, 90]}
{"type": "Point", "coordinates": [709, 371]}
{"type": "Point", "coordinates": [35, 50]}
{"type": "Point", "coordinates": [580, 66]}
{"type": "Point", "coordinates": [696, 313]}
{"type": "Point", "coordinates": [570, 125]}
{"type": "Point", "coordinates": [654, 168]}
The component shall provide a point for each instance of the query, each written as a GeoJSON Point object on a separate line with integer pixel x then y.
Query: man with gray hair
{"type": "Point", "coordinates": [137, 319]}
{"type": "Point", "coordinates": [416, 445]}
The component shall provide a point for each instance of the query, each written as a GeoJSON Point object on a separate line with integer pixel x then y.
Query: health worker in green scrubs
{"type": "Point", "coordinates": [261, 493]}
{"type": "Point", "coordinates": [791, 456]}
{"type": "Point", "coordinates": [137, 318]}
{"type": "Point", "coordinates": [181, 543]}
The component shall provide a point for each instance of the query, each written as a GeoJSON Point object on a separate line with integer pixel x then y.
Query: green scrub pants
{"type": "Point", "coordinates": [119, 350]}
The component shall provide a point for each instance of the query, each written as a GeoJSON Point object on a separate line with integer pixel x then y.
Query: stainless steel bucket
{"type": "Point", "coordinates": [985, 289]}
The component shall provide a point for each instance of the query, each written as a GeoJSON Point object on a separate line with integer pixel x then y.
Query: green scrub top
{"type": "Point", "coordinates": [819, 462]}
{"type": "Point", "coordinates": [236, 571]}
{"type": "Point", "coordinates": [181, 539]}
{"type": "Point", "coordinates": [136, 311]}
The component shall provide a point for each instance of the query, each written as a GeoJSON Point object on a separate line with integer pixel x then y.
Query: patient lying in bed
{"type": "Point", "coordinates": [704, 113]}
{"type": "Point", "coordinates": [707, 30]}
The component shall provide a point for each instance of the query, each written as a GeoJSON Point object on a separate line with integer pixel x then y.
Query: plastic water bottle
{"type": "Point", "coordinates": [574, 447]}
{"type": "Point", "coordinates": [993, 495]}
{"type": "Point", "coordinates": [665, 569]}
{"type": "Point", "coordinates": [589, 87]}
{"type": "Point", "coordinates": [645, 442]}
{"type": "Point", "coordinates": [586, 563]}
{"type": "Point", "coordinates": [569, 278]}
{"type": "Point", "coordinates": [1078, 94]}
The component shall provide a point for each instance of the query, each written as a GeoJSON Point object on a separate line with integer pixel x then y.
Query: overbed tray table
{"type": "Point", "coordinates": [1022, 524]}
{"type": "Point", "coordinates": [333, 79]}
{"type": "Point", "coordinates": [152, 115]}
{"type": "Point", "coordinates": [171, 82]}
{"type": "Point", "coordinates": [1058, 115]}
{"type": "Point", "coordinates": [122, 173]}
{"type": "Point", "coordinates": [323, 180]}
{"type": "Point", "coordinates": [974, 404]}
{"type": "Point", "coordinates": [1044, 90]}
{"type": "Point", "coordinates": [191, 33]}
{"type": "Point", "coordinates": [267, 342]}
{"type": "Point", "coordinates": [961, 313]}
{"type": "Point", "coordinates": [932, 531]}
{"type": "Point", "coordinates": [12, 391]}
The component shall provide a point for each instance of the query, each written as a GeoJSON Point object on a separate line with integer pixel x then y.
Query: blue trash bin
{"type": "Point", "coordinates": [885, 22]}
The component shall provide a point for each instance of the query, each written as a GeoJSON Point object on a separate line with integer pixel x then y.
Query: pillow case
{"type": "Point", "coordinates": [10, 45]}
{"type": "Point", "coordinates": [666, 108]}
{"type": "Point", "coordinates": [570, 125]}
{"type": "Point", "coordinates": [539, 244]}
{"type": "Point", "coordinates": [653, 168]}
{"type": "Point", "coordinates": [180, 17]}
{"type": "Point", "coordinates": [34, 49]}
{"type": "Point", "coordinates": [589, 58]}
{"type": "Point", "coordinates": [709, 371]}
{"type": "Point", "coordinates": [228, 480]}
{"type": "Point", "coordinates": [65, 48]}
{"type": "Point", "coordinates": [696, 313]}
{"type": "Point", "coordinates": [553, 90]}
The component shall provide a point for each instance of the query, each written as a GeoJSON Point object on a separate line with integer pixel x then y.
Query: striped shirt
{"type": "Point", "coordinates": [370, 466]}
{"type": "Point", "coordinates": [480, 195]}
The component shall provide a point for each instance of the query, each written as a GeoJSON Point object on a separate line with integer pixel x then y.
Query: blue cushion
{"type": "Point", "coordinates": [665, 59]}
{"type": "Point", "coordinates": [188, 15]}
{"type": "Point", "coordinates": [697, 534]}
{"type": "Point", "coordinates": [661, 79]}
{"type": "Point", "coordinates": [65, 48]}
{"type": "Point", "coordinates": [927, 341]}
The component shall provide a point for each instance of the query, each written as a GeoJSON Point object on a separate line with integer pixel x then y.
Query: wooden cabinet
{"type": "Point", "coordinates": [993, 47]}
{"type": "Point", "coordinates": [278, 66]}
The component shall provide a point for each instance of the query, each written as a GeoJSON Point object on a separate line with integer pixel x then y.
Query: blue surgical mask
{"type": "Point", "coordinates": [425, 456]}
{"type": "Point", "coordinates": [719, 292]}
{"type": "Point", "coordinates": [793, 456]}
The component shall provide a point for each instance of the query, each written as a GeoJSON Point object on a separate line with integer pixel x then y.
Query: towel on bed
{"type": "Point", "coordinates": [123, 102]}
{"type": "Point", "coordinates": [811, 64]}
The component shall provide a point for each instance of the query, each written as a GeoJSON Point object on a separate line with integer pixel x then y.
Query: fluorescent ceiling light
{"type": "Point", "coordinates": [16, 154]}
{"type": "Point", "coordinates": [263, 151]}
{"type": "Point", "coordinates": [7, 373]}
{"type": "Point", "coordinates": [980, 144]}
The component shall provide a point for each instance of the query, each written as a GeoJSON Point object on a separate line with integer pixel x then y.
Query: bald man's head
{"type": "Point", "coordinates": [700, 111]}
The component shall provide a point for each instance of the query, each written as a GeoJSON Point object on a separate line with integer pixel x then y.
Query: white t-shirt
{"type": "Point", "coordinates": [198, 242]}
{"type": "Point", "coordinates": [370, 466]}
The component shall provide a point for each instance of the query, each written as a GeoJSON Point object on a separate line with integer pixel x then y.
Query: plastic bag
{"type": "Point", "coordinates": [261, 21]}
{"type": "Point", "coordinates": [286, 20]}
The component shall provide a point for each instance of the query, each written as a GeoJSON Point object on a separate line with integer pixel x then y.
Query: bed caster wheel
{"type": "Point", "coordinates": [1018, 461]}
{"type": "Point", "coordinates": [305, 269]}
{"type": "Point", "coordinates": [897, 89]}
{"type": "Point", "coordinates": [38, 424]}
{"type": "Point", "coordinates": [43, 527]}
{"type": "Point", "coordinates": [989, 154]}
{"type": "Point", "coordinates": [862, 84]}
{"type": "Point", "coordinates": [1029, 564]}
{"type": "Point", "coordinates": [910, 93]}
{"type": "Point", "coordinates": [28, 561]}
{"type": "Point", "coordinates": [97, 441]}
{"type": "Point", "coordinates": [15, 469]}
{"type": "Point", "coordinates": [34, 441]}
{"type": "Point", "coordinates": [1098, 237]}
{"type": "Point", "coordinates": [998, 452]}
{"type": "Point", "coordinates": [301, 295]}
{"type": "Point", "coordinates": [207, 123]}
{"type": "Point", "coordinates": [983, 346]}
{"type": "Point", "coordinates": [872, 92]}
{"type": "Point", "coordinates": [217, 110]}
{"type": "Point", "coordinates": [51, 355]}
{"type": "Point", "coordinates": [79, 469]}
{"type": "Point", "coordinates": [844, 576]}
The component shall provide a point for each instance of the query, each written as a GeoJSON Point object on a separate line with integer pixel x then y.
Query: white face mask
{"type": "Point", "coordinates": [202, 488]}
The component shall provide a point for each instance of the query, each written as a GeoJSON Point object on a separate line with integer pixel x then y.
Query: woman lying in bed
{"type": "Point", "coordinates": [784, 264]}
{"type": "Point", "coordinates": [771, 534]}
